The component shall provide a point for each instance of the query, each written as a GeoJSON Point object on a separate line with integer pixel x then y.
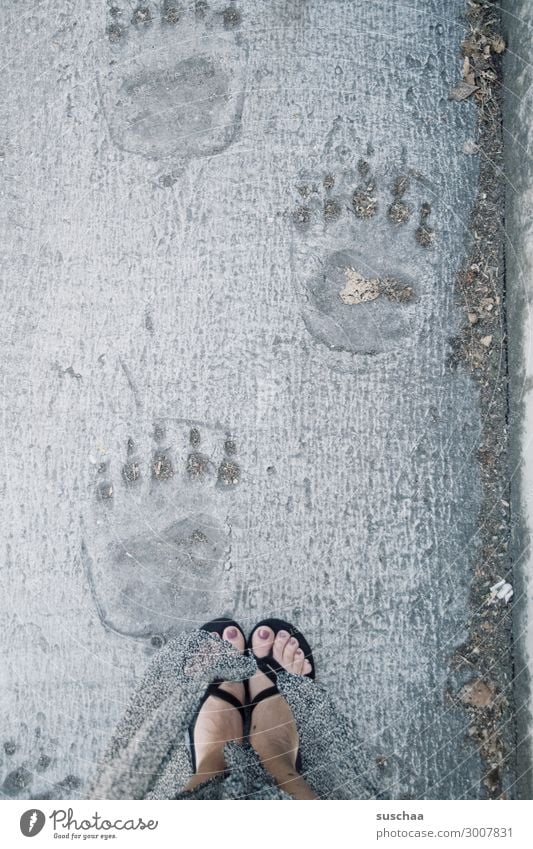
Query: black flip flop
{"type": "Point", "coordinates": [218, 626]}
{"type": "Point", "coordinates": [270, 666]}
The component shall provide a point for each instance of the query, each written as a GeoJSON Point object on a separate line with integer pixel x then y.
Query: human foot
{"type": "Point", "coordinates": [273, 732]}
{"type": "Point", "coordinates": [219, 720]}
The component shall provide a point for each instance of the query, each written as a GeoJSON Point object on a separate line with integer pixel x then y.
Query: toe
{"type": "Point", "coordinates": [299, 662]}
{"type": "Point", "coordinates": [262, 641]}
{"type": "Point", "coordinates": [280, 642]}
{"type": "Point", "coordinates": [235, 637]}
{"type": "Point", "coordinates": [307, 668]}
{"type": "Point", "coordinates": [289, 653]}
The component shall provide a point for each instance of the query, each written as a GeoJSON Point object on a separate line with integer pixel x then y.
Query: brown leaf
{"type": "Point", "coordinates": [477, 693]}
{"type": "Point", "coordinates": [359, 289]}
{"type": "Point", "coordinates": [498, 44]}
{"type": "Point", "coordinates": [462, 90]}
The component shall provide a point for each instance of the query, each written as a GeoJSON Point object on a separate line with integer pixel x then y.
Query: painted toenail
{"type": "Point", "coordinates": [282, 634]}
{"type": "Point", "coordinates": [263, 634]}
{"type": "Point", "coordinates": [293, 641]}
{"type": "Point", "coordinates": [299, 651]}
{"type": "Point", "coordinates": [231, 633]}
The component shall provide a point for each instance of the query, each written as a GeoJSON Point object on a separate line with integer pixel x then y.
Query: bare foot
{"type": "Point", "coordinates": [218, 723]}
{"type": "Point", "coordinates": [273, 732]}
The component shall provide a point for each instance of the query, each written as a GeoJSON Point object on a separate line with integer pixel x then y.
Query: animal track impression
{"type": "Point", "coordinates": [175, 82]}
{"type": "Point", "coordinates": [354, 268]}
{"type": "Point", "coordinates": [157, 551]}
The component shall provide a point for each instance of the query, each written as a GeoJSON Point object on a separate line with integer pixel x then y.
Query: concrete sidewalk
{"type": "Point", "coordinates": [231, 382]}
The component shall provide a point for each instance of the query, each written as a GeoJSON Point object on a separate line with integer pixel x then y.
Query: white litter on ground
{"type": "Point", "coordinates": [501, 591]}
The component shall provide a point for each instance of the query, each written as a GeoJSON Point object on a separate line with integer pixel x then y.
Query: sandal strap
{"type": "Point", "coordinates": [215, 690]}
{"type": "Point", "coordinates": [264, 694]}
{"type": "Point", "coordinates": [269, 666]}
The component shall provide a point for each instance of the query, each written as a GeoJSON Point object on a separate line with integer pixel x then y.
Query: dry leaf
{"type": "Point", "coordinates": [358, 289]}
{"type": "Point", "coordinates": [477, 694]}
{"type": "Point", "coordinates": [498, 44]}
{"type": "Point", "coordinates": [462, 90]}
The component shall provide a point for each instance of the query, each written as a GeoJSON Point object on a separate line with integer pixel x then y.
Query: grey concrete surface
{"type": "Point", "coordinates": [518, 137]}
{"type": "Point", "coordinates": [224, 362]}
